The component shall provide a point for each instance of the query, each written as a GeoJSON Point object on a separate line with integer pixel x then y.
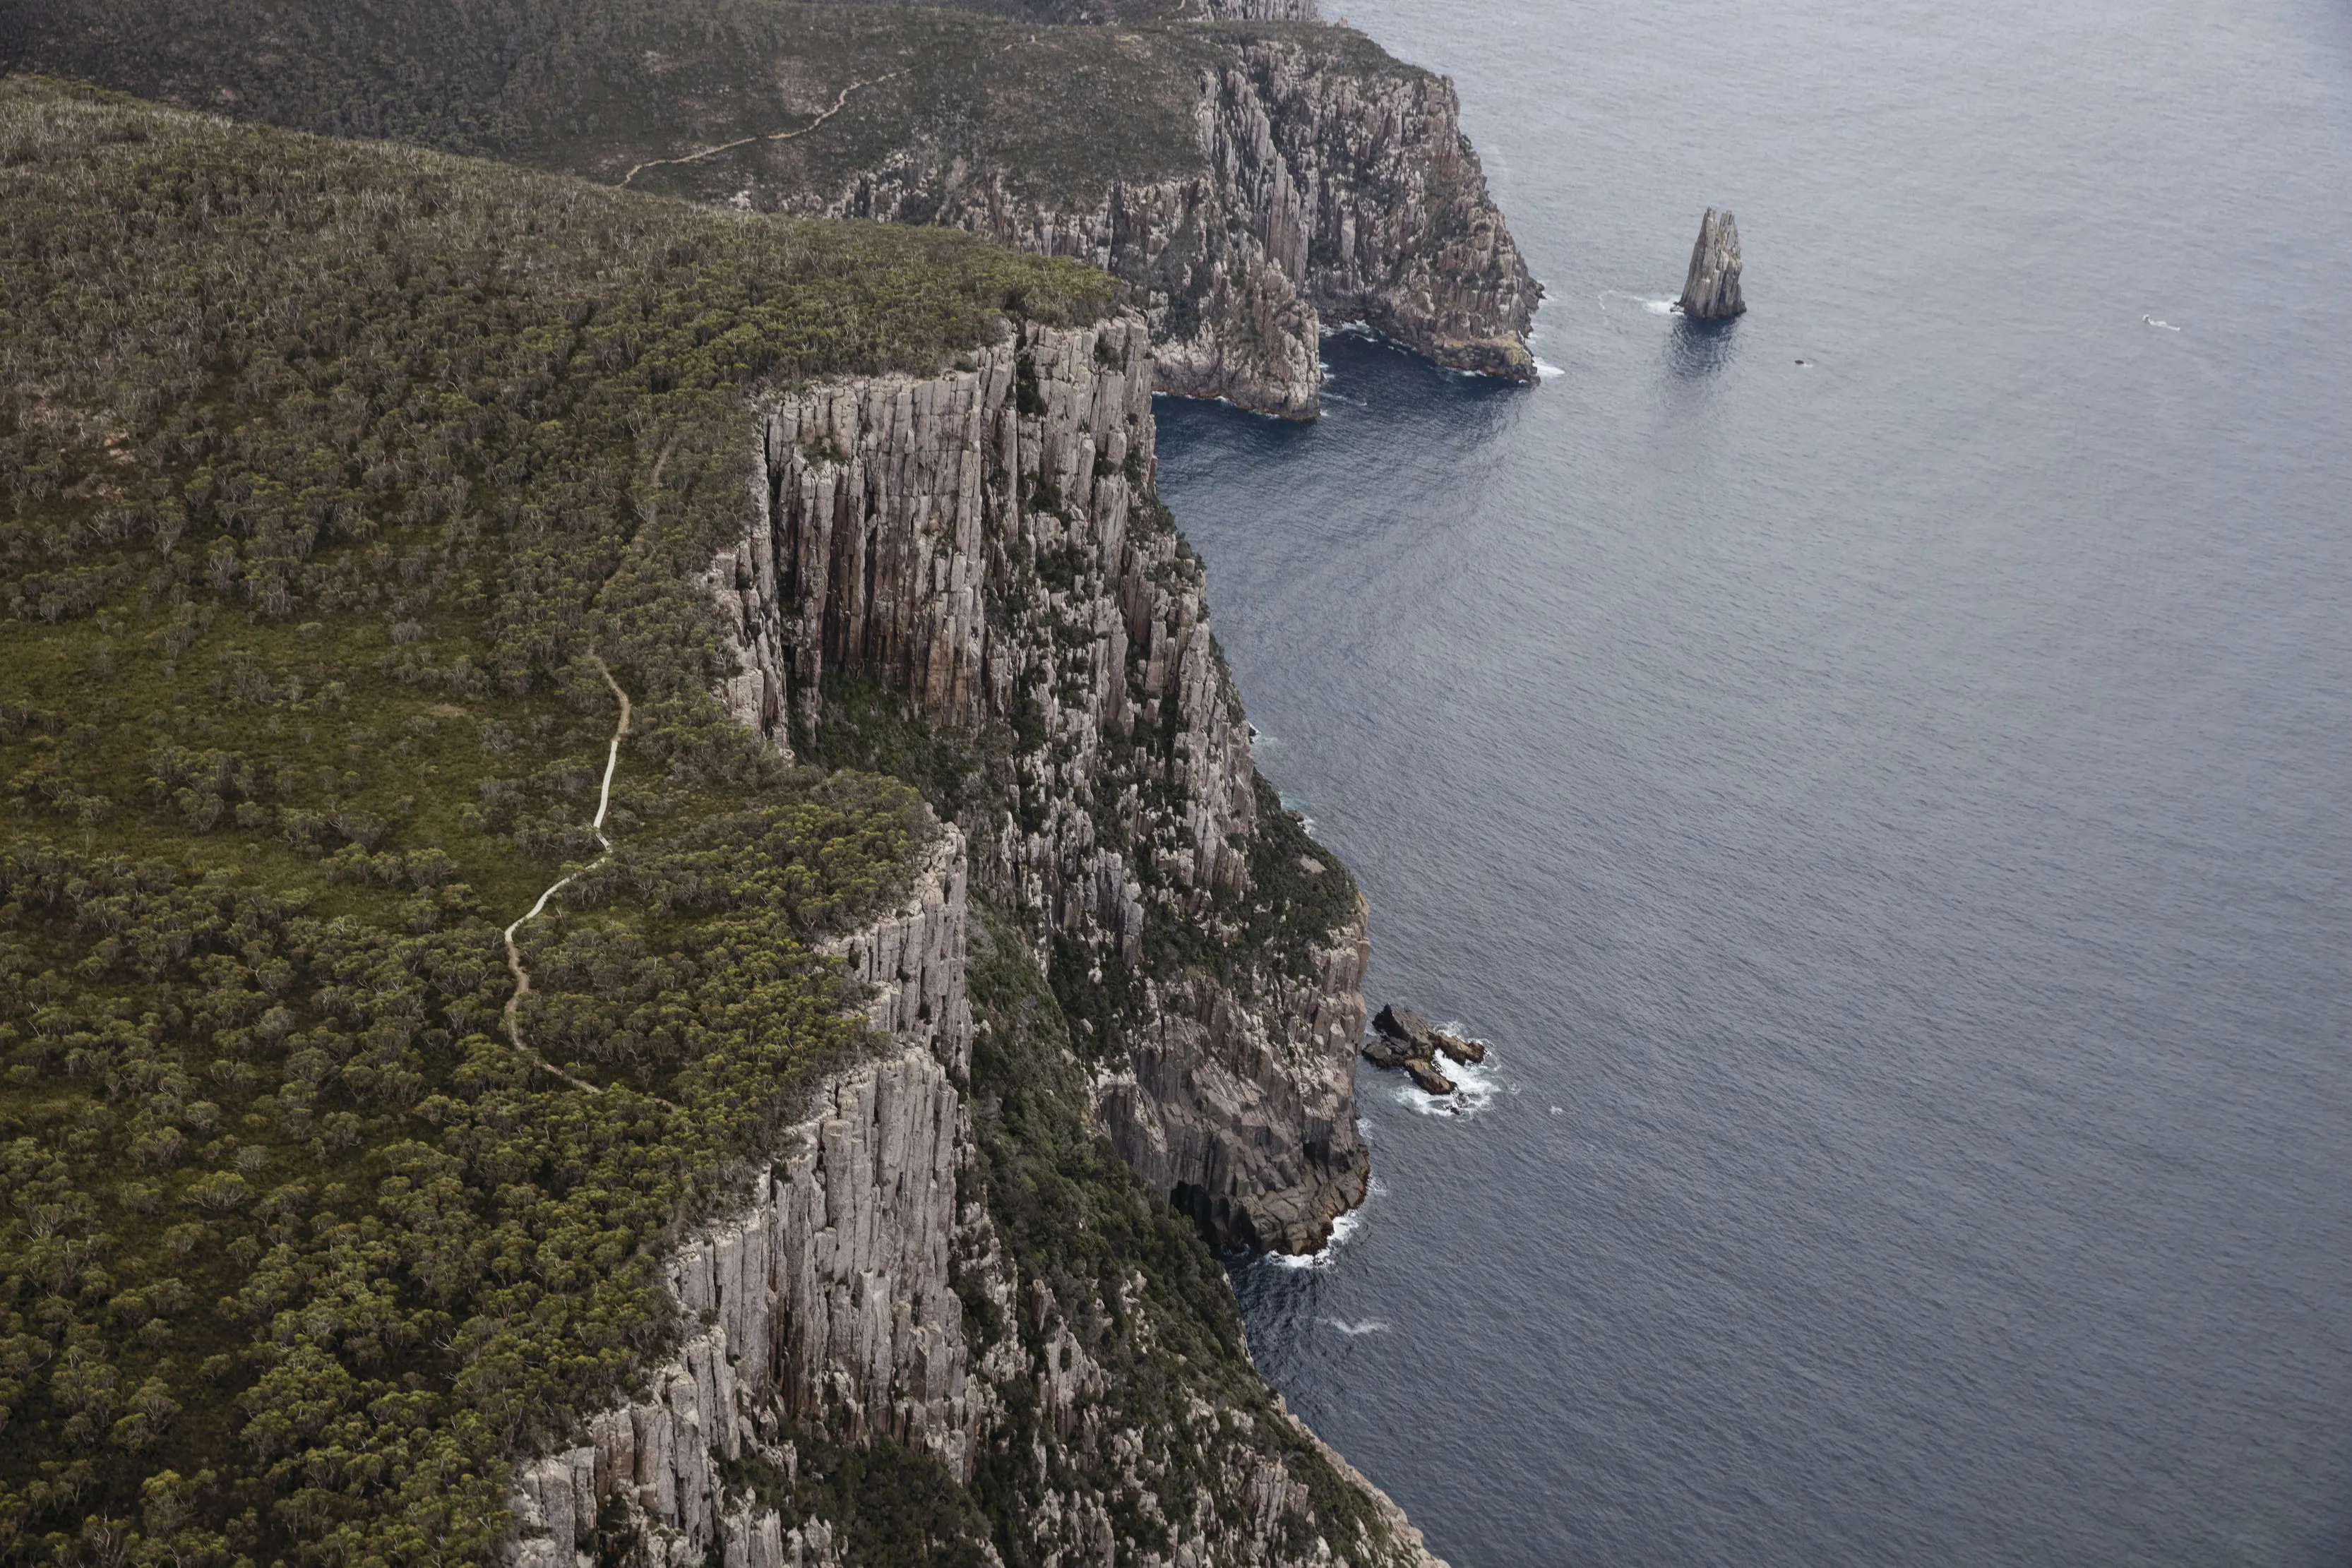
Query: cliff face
{"type": "Point", "coordinates": [827, 1298]}
{"type": "Point", "coordinates": [1245, 1116]}
{"type": "Point", "coordinates": [1328, 194]}
{"type": "Point", "coordinates": [862, 1297]}
{"type": "Point", "coordinates": [987, 543]}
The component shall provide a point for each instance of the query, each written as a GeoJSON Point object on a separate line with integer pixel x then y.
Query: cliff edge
{"type": "Point", "coordinates": [885, 1306]}
{"type": "Point", "coordinates": [986, 547]}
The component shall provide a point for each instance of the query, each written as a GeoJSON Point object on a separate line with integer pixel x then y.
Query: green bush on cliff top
{"type": "Point", "coordinates": [594, 86]}
{"type": "Point", "coordinates": [328, 474]}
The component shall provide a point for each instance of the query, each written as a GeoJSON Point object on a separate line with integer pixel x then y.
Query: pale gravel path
{"type": "Point", "coordinates": [514, 957]}
{"type": "Point", "coordinates": [838, 104]}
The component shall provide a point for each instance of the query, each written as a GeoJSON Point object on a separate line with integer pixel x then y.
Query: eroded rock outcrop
{"type": "Point", "coordinates": [1711, 289]}
{"type": "Point", "coordinates": [1333, 189]}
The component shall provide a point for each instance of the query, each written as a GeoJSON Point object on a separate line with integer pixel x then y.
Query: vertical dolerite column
{"type": "Point", "coordinates": [1711, 291]}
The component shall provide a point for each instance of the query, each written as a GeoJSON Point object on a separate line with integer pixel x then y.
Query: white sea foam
{"type": "Point", "coordinates": [1346, 1226]}
{"type": "Point", "coordinates": [1476, 1084]}
{"type": "Point", "coordinates": [1656, 306]}
{"type": "Point", "coordinates": [1545, 371]}
{"type": "Point", "coordinates": [2152, 321]}
{"type": "Point", "coordinates": [1305, 821]}
{"type": "Point", "coordinates": [1356, 1331]}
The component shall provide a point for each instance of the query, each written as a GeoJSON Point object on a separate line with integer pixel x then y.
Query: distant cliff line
{"type": "Point", "coordinates": [1251, 174]}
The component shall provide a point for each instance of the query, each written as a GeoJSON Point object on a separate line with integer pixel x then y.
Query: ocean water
{"type": "Point", "coordinates": [1891, 814]}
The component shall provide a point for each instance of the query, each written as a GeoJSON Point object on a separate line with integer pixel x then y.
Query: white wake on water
{"type": "Point", "coordinates": [1356, 1331]}
{"type": "Point", "coordinates": [1650, 303]}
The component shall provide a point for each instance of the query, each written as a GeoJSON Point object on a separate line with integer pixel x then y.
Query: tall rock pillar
{"type": "Point", "coordinates": [1711, 291]}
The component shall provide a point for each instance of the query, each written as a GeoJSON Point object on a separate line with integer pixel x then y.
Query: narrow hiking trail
{"type": "Point", "coordinates": [698, 157]}
{"type": "Point", "coordinates": [514, 957]}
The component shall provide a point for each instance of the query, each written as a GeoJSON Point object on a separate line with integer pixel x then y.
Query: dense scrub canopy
{"type": "Point", "coordinates": [329, 474]}
{"type": "Point", "coordinates": [596, 86]}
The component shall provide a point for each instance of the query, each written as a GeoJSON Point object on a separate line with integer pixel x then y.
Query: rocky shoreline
{"type": "Point", "coordinates": [1404, 1041]}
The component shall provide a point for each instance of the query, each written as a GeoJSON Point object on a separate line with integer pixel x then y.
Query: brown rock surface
{"type": "Point", "coordinates": [1457, 1049]}
{"type": "Point", "coordinates": [1426, 1077]}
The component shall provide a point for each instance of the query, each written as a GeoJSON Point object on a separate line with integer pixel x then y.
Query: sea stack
{"type": "Point", "coordinates": [1711, 292]}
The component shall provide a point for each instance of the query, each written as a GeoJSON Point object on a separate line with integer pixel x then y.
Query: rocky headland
{"type": "Point", "coordinates": [986, 547]}
{"type": "Point", "coordinates": [865, 1294]}
{"type": "Point", "coordinates": [1253, 174]}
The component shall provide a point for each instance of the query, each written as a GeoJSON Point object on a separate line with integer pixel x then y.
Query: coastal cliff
{"type": "Point", "coordinates": [1326, 194]}
{"type": "Point", "coordinates": [1251, 174]}
{"type": "Point", "coordinates": [987, 546]}
{"type": "Point", "coordinates": [864, 1298]}
{"type": "Point", "coordinates": [826, 1298]}
{"type": "Point", "coordinates": [806, 735]}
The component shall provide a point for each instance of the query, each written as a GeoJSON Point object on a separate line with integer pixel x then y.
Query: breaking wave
{"type": "Point", "coordinates": [1346, 1226]}
{"type": "Point", "coordinates": [1476, 1084]}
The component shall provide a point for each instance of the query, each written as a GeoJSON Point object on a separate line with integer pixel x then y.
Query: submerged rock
{"type": "Point", "coordinates": [1711, 291]}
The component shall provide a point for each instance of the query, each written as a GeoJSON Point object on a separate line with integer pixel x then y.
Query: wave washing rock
{"type": "Point", "coordinates": [1711, 290]}
{"type": "Point", "coordinates": [987, 543]}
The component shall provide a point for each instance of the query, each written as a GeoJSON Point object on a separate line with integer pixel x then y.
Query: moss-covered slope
{"type": "Point", "coordinates": [333, 477]}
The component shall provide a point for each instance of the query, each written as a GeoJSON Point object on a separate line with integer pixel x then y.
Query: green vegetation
{"type": "Point", "coordinates": [599, 87]}
{"type": "Point", "coordinates": [964, 774]}
{"type": "Point", "coordinates": [1132, 1280]}
{"type": "Point", "coordinates": [329, 473]}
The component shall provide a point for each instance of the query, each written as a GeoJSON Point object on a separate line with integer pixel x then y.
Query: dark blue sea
{"type": "Point", "coordinates": [1892, 813]}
